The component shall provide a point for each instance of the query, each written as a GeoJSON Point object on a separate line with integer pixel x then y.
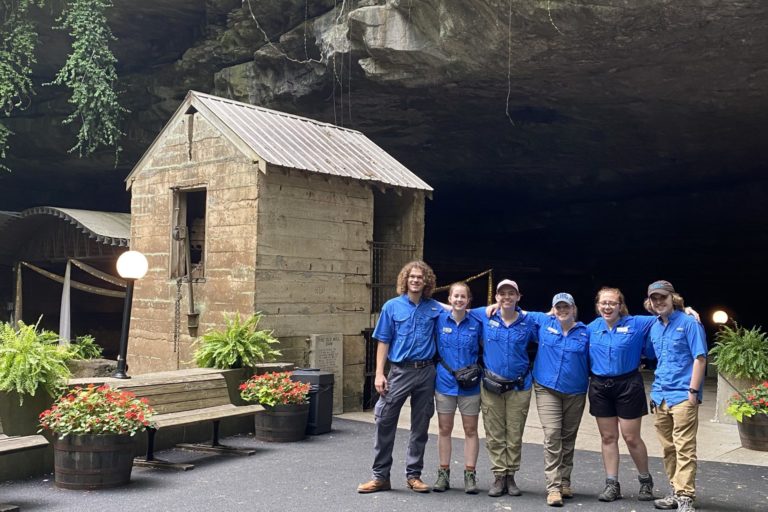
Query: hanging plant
{"type": "Point", "coordinates": [91, 76]}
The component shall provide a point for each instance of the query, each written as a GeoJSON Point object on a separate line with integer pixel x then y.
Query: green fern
{"type": "Point", "coordinates": [240, 344]}
{"type": "Point", "coordinates": [84, 347]}
{"type": "Point", "coordinates": [29, 361]}
{"type": "Point", "coordinates": [741, 353]}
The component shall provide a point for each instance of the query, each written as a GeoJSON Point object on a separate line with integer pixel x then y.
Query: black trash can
{"type": "Point", "coordinates": [320, 399]}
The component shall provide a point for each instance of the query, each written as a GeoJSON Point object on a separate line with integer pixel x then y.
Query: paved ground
{"type": "Point", "coordinates": [321, 474]}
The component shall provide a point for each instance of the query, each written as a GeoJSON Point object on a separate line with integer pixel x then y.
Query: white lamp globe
{"type": "Point", "coordinates": [720, 317]}
{"type": "Point", "coordinates": [132, 265]}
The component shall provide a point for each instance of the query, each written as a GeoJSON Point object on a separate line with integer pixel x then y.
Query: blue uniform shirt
{"type": "Point", "coordinates": [504, 347]}
{"type": "Point", "coordinates": [459, 347]}
{"type": "Point", "coordinates": [408, 328]}
{"type": "Point", "coordinates": [562, 361]}
{"type": "Point", "coordinates": [617, 351]}
{"type": "Point", "coordinates": [676, 345]}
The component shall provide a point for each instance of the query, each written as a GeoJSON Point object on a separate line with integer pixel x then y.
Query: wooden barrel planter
{"type": "Point", "coordinates": [753, 432]}
{"type": "Point", "coordinates": [90, 461]}
{"type": "Point", "coordinates": [282, 423]}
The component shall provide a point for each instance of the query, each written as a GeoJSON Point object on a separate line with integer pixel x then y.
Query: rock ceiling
{"type": "Point", "coordinates": [571, 143]}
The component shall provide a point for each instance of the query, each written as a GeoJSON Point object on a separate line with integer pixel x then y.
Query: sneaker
{"type": "Point", "coordinates": [512, 488]}
{"type": "Point", "coordinates": [470, 482]}
{"type": "Point", "coordinates": [443, 480]}
{"type": "Point", "coordinates": [612, 491]}
{"type": "Point", "coordinates": [685, 504]}
{"type": "Point", "coordinates": [554, 499]}
{"type": "Point", "coordinates": [646, 488]}
{"type": "Point", "coordinates": [374, 486]}
{"type": "Point", "coordinates": [666, 503]}
{"type": "Point", "coordinates": [566, 492]}
{"type": "Point", "coordinates": [498, 487]}
{"type": "Point", "coordinates": [416, 485]}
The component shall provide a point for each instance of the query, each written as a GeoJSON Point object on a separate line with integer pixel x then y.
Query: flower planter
{"type": "Point", "coordinates": [91, 461]}
{"type": "Point", "coordinates": [753, 432]}
{"type": "Point", "coordinates": [282, 423]}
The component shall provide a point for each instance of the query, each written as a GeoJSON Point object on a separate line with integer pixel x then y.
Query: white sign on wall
{"type": "Point", "coordinates": [326, 353]}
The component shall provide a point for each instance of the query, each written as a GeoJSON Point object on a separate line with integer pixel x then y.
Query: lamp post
{"type": "Point", "coordinates": [720, 317]}
{"type": "Point", "coordinates": [131, 265]}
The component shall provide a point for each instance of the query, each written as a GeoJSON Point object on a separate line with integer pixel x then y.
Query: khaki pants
{"type": "Point", "coordinates": [676, 428]}
{"type": "Point", "coordinates": [560, 417]}
{"type": "Point", "coordinates": [504, 420]}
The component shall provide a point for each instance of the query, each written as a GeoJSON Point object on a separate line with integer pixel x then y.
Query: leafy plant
{"type": "Point", "coordinates": [97, 410]}
{"type": "Point", "coordinates": [240, 344]}
{"type": "Point", "coordinates": [741, 353]}
{"type": "Point", "coordinates": [750, 402]}
{"type": "Point", "coordinates": [274, 388]}
{"type": "Point", "coordinates": [29, 361]}
{"type": "Point", "coordinates": [84, 347]}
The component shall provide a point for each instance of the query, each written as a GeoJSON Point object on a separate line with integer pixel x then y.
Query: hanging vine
{"type": "Point", "coordinates": [89, 72]}
{"type": "Point", "coordinates": [91, 76]}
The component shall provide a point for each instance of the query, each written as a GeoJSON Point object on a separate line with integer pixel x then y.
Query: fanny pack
{"type": "Point", "coordinates": [467, 377]}
{"type": "Point", "coordinates": [498, 385]}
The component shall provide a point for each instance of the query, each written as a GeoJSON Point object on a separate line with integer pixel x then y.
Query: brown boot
{"type": "Point", "coordinates": [374, 486]}
{"type": "Point", "coordinates": [554, 499]}
{"type": "Point", "coordinates": [416, 485]}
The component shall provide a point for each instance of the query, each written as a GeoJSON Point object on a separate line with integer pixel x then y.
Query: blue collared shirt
{"type": "Point", "coordinates": [504, 347]}
{"type": "Point", "coordinates": [617, 351]}
{"type": "Point", "coordinates": [676, 345]}
{"type": "Point", "coordinates": [459, 347]}
{"type": "Point", "coordinates": [562, 361]}
{"type": "Point", "coordinates": [408, 328]}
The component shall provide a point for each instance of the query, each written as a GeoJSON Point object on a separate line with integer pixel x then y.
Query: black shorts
{"type": "Point", "coordinates": [622, 396]}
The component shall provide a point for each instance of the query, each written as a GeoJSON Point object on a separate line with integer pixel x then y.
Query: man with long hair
{"type": "Point", "coordinates": [405, 334]}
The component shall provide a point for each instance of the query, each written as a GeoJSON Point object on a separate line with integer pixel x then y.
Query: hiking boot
{"type": "Point", "coordinates": [374, 486]}
{"type": "Point", "coordinates": [612, 491]}
{"type": "Point", "coordinates": [566, 492]}
{"type": "Point", "coordinates": [416, 485]}
{"type": "Point", "coordinates": [554, 499]}
{"type": "Point", "coordinates": [684, 504]}
{"type": "Point", "coordinates": [512, 488]}
{"type": "Point", "coordinates": [470, 482]}
{"type": "Point", "coordinates": [498, 487]}
{"type": "Point", "coordinates": [666, 503]}
{"type": "Point", "coordinates": [646, 488]}
{"type": "Point", "coordinates": [443, 480]}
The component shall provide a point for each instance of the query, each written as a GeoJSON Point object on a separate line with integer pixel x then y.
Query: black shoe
{"type": "Point", "coordinates": [646, 488]}
{"type": "Point", "coordinates": [612, 491]}
{"type": "Point", "coordinates": [512, 488]}
{"type": "Point", "coordinates": [498, 487]}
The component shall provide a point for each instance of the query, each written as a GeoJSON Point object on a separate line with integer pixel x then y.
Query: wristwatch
{"type": "Point", "coordinates": [694, 391]}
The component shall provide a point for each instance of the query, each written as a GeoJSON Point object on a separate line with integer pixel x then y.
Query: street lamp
{"type": "Point", "coordinates": [131, 265]}
{"type": "Point", "coordinates": [720, 317]}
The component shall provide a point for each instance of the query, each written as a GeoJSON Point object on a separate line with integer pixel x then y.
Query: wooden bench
{"type": "Point", "coordinates": [185, 400]}
{"type": "Point", "coordinates": [14, 444]}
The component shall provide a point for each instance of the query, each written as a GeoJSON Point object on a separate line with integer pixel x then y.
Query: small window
{"type": "Point", "coordinates": [188, 233]}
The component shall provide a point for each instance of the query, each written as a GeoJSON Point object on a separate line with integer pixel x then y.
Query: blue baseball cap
{"type": "Point", "coordinates": [563, 297]}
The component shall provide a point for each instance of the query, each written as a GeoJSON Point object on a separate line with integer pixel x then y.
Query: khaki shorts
{"type": "Point", "coordinates": [468, 405]}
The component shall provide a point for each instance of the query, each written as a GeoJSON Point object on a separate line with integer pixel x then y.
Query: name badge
{"type": "Point", "coordinates": [679, 329]}
{"type": "Point", "coordinates": [622, 329]}
{"type": "Point", "coordinates": [552, 330]}
{"type": "Point", "coordinates": [447, 330]}
{"type": "Point", "coordinates": [493, 323]}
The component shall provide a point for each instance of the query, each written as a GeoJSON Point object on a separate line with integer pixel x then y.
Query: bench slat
{"type": "Point", "coordinates": [10, 445]}
{"type": "Point", "coordinates": [159, 401]}
{"type": "Point", "coordinates": [190, 405]}
{"type": "Point", "coordinates": [149, 390]}
{"type": "Point", "coordinates": [206, 414]}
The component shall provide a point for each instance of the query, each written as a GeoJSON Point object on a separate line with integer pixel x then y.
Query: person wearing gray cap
{"type": "Point", "coordinates": [681, 349]}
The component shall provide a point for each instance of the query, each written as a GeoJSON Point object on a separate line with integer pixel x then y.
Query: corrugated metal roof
{"type": "Point", "coordinates": [295, 142]}
{"type": "Point", "coordinates": [108, 228]}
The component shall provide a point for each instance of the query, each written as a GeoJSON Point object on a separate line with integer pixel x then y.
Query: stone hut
{"type": "Point", "coordinates": [251, 210]}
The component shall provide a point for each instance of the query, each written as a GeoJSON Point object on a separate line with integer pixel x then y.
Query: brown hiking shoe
{"type": "Point", "coordinates": [416, 485]}
{"type": "Point", "coordinates": [374, 486]}
{"type": "Point", "coordinates": [554, 499]}
{"type": "Point", "coordinates": [566, 492]}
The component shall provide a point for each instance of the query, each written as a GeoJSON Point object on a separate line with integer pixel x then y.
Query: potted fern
{"type": "Point", "coordinates": [239, 347]}
{"type": "Point", "coordinates": [741, 358]}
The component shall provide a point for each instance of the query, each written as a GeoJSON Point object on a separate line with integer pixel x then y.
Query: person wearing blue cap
{"type": "Point", "coordinates": [561, 379]}
{"type": "Point", "coordinates": [681, 349]}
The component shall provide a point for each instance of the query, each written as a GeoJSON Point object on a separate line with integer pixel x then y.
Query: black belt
{"type": "Point", "coordinates": [423, 363]}
{"type": "Point", "coordinates": [609, 381]}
